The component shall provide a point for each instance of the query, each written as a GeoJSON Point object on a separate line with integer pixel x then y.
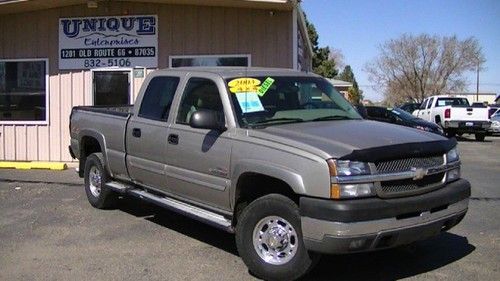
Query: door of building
{"type": "Point", "coordinates": [111, 87]}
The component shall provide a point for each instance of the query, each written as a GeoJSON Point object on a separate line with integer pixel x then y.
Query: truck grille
{"type": "Point", "coordinates": [407, 187]}
{"type": "Point", "coordinates": [401, 165]}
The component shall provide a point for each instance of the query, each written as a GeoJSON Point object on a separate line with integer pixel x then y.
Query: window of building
{"type": "Point", "coordinates": [210, 60]}
{"type": "Point", "coordinates": [24, 91]}
{"type": "Point", "coordinates": [158, 98]}
{"type": "Point", "coordinates": [200, 93]}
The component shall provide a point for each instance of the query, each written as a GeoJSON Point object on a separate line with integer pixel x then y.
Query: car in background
{"type": "Point", "coordinates": [495, 123]}
{"type": "Point", "coordinates": [401, 117]}
{"type": "Point", "coordinates": [410, 107]}
{"type": "Point", "coordinates": [492, 109]}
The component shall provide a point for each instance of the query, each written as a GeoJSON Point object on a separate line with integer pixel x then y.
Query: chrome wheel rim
{"type": "Point", "coordinates": [95, 181]}
{"type": "Point", "coordinates": [275, 240]}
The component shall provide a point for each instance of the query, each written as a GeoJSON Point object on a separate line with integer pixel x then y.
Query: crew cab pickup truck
{"type": "Point", "coordinates": [455, 115]}
{"type": "Point", "coordinates": [277, 157]}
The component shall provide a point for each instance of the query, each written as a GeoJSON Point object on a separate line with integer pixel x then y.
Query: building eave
{"type": "Point", "coordinates": [20, 6]}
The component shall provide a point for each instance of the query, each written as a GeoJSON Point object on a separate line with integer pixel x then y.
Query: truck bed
{"type": "Point", "coordinates": [124, 110]}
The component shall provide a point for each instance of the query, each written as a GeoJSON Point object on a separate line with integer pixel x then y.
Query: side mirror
{"type": "Point", "coordinates": [208, 119]}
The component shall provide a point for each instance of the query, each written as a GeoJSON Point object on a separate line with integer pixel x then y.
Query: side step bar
{"type": "Point", "coordinates": [177, 206]}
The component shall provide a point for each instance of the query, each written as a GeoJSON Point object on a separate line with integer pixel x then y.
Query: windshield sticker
{"type": "Point", "coordinates": [265, 86]}
{"type": "Point", "coordinates": [249, 102]}
{"type": "Point", "coordinates": [245, 84]}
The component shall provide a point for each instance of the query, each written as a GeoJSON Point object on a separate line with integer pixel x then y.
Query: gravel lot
{"type": "Point", "coordinates": [48, 231]}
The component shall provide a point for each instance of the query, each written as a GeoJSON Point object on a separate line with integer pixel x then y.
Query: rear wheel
{"type": "Point", "coordinates": [480, 136]}
{"type": "Point", "coordinates": [269, 239]}
{"type": "Point", "coordinates": [95, 177]}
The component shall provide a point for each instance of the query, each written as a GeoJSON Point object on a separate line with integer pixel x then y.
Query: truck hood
{"type": "Point", "coordinates": [345, 138]}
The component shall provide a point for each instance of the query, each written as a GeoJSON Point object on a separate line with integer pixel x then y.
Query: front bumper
{"type": "Point", "coordinates": [370, 224]}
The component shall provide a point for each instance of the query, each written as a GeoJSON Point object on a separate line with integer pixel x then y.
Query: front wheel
{"type": "Point", "coordinates": [269, 239]}
{"type": "Point", "coordinates": [95, 177]}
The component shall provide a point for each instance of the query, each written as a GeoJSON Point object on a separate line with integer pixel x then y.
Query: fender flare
{"type": "Point", "coordinates": [290, 177]}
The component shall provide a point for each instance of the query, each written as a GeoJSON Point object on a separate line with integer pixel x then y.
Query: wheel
{"type": "Point", "coordinates": [95, 176]}
{"type": "Point", "coordinates": [269, 239]}
{"type": "Point", "coordinates": [480, 136]}
{"type": "Point", "coordinates": [451, 134]}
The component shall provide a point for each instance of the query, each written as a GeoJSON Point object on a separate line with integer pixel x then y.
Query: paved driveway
{"type": "Point", "coordinates": [48, 231]}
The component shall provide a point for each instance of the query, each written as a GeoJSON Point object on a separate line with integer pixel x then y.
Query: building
{"type": "Point", "coordinates": [56, 54]}
{"type": "Point", "coordinates": [341, 86]}
{"type": "Point", "coordinates": [488, 98]}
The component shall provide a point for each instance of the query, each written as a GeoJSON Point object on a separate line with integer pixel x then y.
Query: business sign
{"type": "Point", "coordinates": [121, 41]}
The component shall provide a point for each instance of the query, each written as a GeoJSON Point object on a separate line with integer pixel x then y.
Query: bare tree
{"type": "Point", "coordinates": [412, 68]}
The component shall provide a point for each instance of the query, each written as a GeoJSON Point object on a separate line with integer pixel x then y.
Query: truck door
{"type": "Point", "coordinates": [198, 159]}
{"type": "Point", "coordinates": [428, 112]}
{"type": "Point", "coordinates": [421, 110]}
{"type": "Point", "coordinates": [146, 136]}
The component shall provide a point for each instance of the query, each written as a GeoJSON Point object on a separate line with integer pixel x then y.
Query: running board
{"type": "Point", "coordinates": [177, 206]}
{"type": "Point", "coordinates": [118, 186]}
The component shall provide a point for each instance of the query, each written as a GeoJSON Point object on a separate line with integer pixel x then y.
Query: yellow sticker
{"type": "Point", "coordinates": [240, 85]}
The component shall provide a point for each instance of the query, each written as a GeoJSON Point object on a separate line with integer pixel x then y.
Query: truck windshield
{"type": "Point", "coordinates": [273, 100]}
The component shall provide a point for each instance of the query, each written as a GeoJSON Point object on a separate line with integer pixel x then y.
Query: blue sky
{"type": "Point", "coordinates": [357, 28]}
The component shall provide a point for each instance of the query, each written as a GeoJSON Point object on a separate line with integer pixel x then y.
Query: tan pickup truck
{"type": "Point", "coordinates": [277, 157]}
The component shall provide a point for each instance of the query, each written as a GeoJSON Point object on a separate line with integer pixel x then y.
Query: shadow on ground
{"type": "Point", "coordinates": [179, 223]}
{"type": "Point", "coordinates": [391, 264]}
{"type": "Point", "coordinates": [396, 263]}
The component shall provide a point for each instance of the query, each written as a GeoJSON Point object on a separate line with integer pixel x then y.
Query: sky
{"type": "Point", "coordinates": [358, 28]}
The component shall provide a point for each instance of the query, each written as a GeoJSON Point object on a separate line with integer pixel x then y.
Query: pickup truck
{"type": "Point", "coordinates": [277, 157]}
{"type": "Point", "coordinates": [455, 115]}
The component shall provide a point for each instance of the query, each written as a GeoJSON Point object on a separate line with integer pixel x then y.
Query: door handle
{"type": "Point", "coordinates": [173, 139]}
{"type": "Point", "coordinates": [136, 132]}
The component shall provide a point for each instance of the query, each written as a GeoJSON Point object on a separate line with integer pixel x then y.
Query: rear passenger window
{"type": "Point", "coordinates": [200, 93]}
{"type": "Point", "coordinates": [158, 98]}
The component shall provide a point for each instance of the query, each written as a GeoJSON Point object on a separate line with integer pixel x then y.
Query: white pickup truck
{"type": "Point", "coordinates": [455, 115]}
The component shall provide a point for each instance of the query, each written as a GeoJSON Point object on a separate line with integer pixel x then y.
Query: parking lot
{"type": "Point", "coordinates": [48, 231]}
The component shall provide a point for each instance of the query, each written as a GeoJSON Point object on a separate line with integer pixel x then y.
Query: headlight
{"type": "Point", "coordinates": [348, 168]}
{"type": "Point", "coordinates": [495, 123]}
{"type": "Point", "coordinates": [452, 155]}
{"type": "Point", "coordinates": [341, 191]}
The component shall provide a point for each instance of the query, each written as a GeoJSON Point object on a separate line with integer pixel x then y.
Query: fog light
{"type": "Point", "coordinates": [453, 175]}
{"type": "Point", "coordinates": [357, 244]}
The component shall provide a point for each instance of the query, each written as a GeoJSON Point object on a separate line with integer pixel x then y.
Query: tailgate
{"type": "Point", "coordinates": [469, 114]}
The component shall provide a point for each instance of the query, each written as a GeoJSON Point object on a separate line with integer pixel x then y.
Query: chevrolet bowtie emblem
{"type": "Point", "coordinates": [420, 173]}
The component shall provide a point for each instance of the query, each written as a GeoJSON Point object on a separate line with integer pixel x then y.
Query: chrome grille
{"type": "Point", "coordinates": [401, 165]}
{"type": "Point", "coordinates": [406, 187]}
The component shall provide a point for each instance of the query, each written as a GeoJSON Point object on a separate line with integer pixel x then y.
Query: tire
{"type": "Point", "coordinates": [278, 216]}
{"type": "Point", "coordinates": [480, 136]}
{"type": "Point", "coordinates": [95, 177]}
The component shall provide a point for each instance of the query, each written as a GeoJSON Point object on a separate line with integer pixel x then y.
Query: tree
{"type": "Point", "coordinates": [323, 61]}
{"type": "Point", "coordinates": [411, 68]}
{"type": "Point", "coordinates": [355, 94]}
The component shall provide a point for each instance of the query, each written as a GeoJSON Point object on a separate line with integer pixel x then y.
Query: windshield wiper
{"type": "Point", "coordinates": [279, 120]}
{"type": "Point", "coordinates": [331, 117]}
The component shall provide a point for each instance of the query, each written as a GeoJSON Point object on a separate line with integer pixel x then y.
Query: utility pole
{"type": "Point", "coordinates": [477, 82]}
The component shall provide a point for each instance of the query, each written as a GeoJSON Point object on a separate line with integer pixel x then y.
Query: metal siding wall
{"type": "Point", "coordinates": [182, 30]}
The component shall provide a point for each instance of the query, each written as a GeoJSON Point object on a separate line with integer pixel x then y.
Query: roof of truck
{"type": "Point", "coordinates": [227, 72]}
